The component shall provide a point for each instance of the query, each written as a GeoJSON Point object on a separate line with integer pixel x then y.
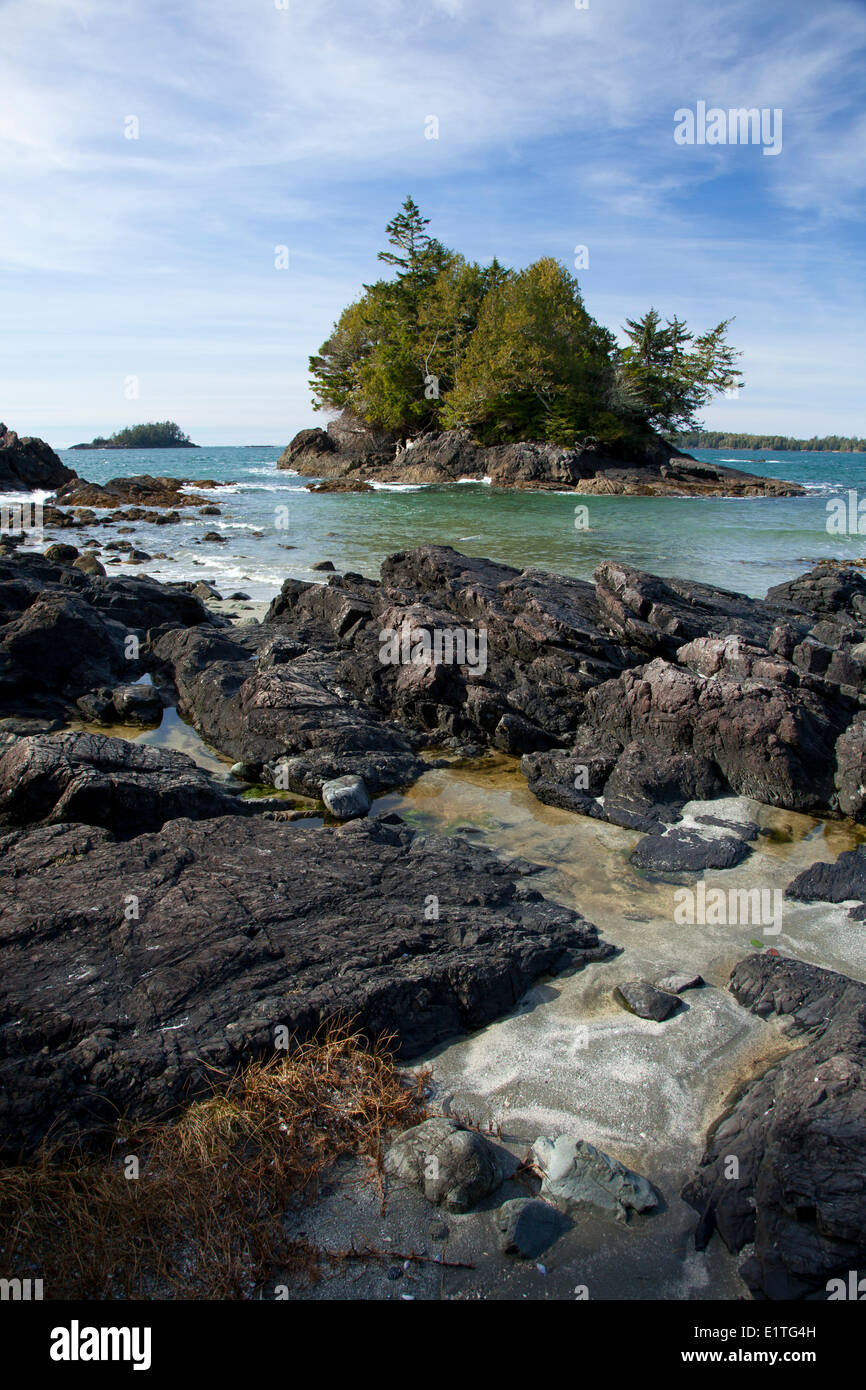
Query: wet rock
{"type": "Point", "coordinates": [346, 797]}
{"type": "Point", "coordinates": [527, 1227]}
{"type": "Point", "coordinates": [454, 1167]}
{"type": "Point", "coordinates": [137, 704]}
{"type": "Point", "coordinates": [59, 554]}
{"type": "Point", "coordinates": [205, 591]}
{"type": "Point", "coordinates": [641, 998]}
{"type": "Point", "coordinates": [324, 565]}
{"type": "Point", "coordinates": [783, 1171]}
{"type": "Point", "coordinates": [243, 925]}
{"type": "Point", "coordinates": [677, 850]}
{"type": "Point", "coordinates": [578, 1176]}
{"type": "Point", "coordinates": [839, 882]}
{"type": "Point", "coordinates": [94, 780]}
{"type": "Point", "coordinates": [88, 564]}
{"type": "Point", "coordinates": [135, 494]}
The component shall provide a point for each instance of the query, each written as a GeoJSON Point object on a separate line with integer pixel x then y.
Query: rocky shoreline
{"type": "Point", "coordinates": [349, 456]}
{"type": "Point", "coordinates": [140, 950]}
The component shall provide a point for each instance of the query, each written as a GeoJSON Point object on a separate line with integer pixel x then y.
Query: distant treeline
{"type": "Point", "coordinates": [161, 434]}
{"type": "Point", "coordinates": [717, 439]}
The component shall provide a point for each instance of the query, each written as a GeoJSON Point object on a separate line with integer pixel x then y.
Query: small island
{"type": "Point", "coordinates": [453, 371]}
{"type": "Point", "coordinates": [163, 434]}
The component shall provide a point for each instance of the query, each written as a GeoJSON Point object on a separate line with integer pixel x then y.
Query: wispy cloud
{"type": "Point", "coordinates": [305, 126]}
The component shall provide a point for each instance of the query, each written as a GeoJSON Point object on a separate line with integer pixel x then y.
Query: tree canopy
{"type": "Point", "coordinates": [508, 354]}
{"type": "Point", "coordinates": [161, 434]}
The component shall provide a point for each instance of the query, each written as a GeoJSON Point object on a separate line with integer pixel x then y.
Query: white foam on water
{"type": "Point", "coordinates": [399, 487]}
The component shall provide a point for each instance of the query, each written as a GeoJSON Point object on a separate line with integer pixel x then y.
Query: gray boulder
{"type": "Point", "coordinates": [454, 1167]}
{"type": "Point", "coordinates": [577, 1176]}
{"type": "Point", "coordinates": [527, 1227]}
{"type": "Point", "coordinates": [643, 999]}
{"type": "Point", "coordinates": [346, 797]}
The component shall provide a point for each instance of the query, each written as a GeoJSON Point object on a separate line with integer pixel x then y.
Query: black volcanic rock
{"type": "Point", "coordinates": [117, 1004]}
{"type": "Point", "coordinates": [797, 1192]}
{"type": "Point", "coordinates": [351, 449]}
{"type": "Point", "coordinates": [94, 780]}
{"type": "Point", "coordinates": [63, 632]}
{"type": "Point", "coordinates": [842, 881]}
{"type": "Point", "coordinates": [29, 464]}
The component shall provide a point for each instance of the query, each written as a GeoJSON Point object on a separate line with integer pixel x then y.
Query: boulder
{"type": "Point", "coordinates": [94, 780]}
{"type": "Point", "coordinates": [646, 1000]}
{"type": "Point", "coordinates": [527, 1227]}
{"type": "Point", "coordinates": [453, 1166]}
{"type": "Point", "coordinates": [577, 1176]}
{"type": "Point", "coordinates": [346, 797]}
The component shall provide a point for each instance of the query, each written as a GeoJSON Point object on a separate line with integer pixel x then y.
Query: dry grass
{"type": "Point", "coordinates": [204, 1217]}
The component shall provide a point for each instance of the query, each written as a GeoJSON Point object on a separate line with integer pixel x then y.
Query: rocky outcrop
{"type": "Point", "coordinates": [29, 465]}
{"type": "Point", "coordinates": [140, 490]}
{"type": "Point", "coordinates": [64, 633]}
{"type": "Point", "coordinates": [129, 970]}
{"type": "Point", "coordinates": [93, 780]}
{"type": "Point", "coordinates": [783, 1178]}
{"type": "Point", "coordinates": [351, 451]}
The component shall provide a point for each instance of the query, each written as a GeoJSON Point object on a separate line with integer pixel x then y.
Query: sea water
{"type": "Point", "coordinates": [274, 528]}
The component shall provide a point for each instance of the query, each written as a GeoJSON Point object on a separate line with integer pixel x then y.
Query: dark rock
{"type": "Point", "coordinates": [643, 999]}
{"type": "Point", "coordinates": [353, 451]}
{"type": "Point", "coordinates": [527, 1227]}
{"type": "Point", "coordinates": [29, 464]}
{"type": "Point", "coordinates": [323, 565]}
{"type": "Point", "coordinates": [94, 780]}
{"type": "Point", "coordinates": [783, 1170]}
{"type": "Point", "coordinates": [61, 554]}
{"type": "Point", "coordinates": [135, 493]}
{"type": "Point", "coordinates": [688, 851]}
{"type": "Point", "coordinates": [108, 1014]}
{"type": "Point", "coordinates": [839, 882]}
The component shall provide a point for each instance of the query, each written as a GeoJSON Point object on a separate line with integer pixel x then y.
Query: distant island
{"type": "Point", "coordinates": [717, 439]}
{"type": "Point", "coordinates": [164, 434]}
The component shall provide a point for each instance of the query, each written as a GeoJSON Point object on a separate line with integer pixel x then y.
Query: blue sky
{"type": "Point", "coordinates": [261, 126]}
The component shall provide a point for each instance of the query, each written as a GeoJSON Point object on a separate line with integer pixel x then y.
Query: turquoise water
{"type": "Point", "coordinates": [746, 544]}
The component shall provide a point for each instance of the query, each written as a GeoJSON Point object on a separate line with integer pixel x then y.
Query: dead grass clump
{"type": "Point", "coordinates": [203, 1216]}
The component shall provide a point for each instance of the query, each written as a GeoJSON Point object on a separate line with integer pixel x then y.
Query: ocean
{"type": "Point", "coordinates": [741, 544]}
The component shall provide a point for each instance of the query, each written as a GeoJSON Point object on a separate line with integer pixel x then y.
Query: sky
{"type": "Point", "coordinates": [155, 156]}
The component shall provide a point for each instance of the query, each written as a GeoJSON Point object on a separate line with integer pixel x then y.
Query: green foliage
{"type": "Point", "coordinates": [664, 378]}
{"type": "Point", "coordinates": [723, 439]}
{"type": "Point", "coordinates": [164, 434]}
{"type": "Point", "coordinates": [537, 366]}
{"type": "Point", "coordinates": [508, 354]}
